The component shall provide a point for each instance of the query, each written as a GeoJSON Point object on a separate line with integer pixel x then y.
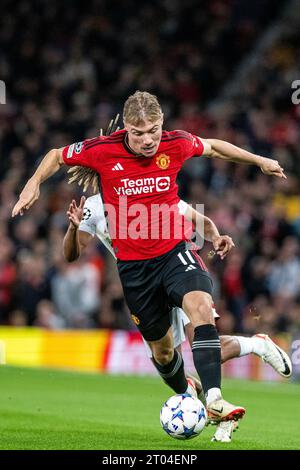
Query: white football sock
{"type": "Point", "coordinates": [213, 394]}
{"type": "Point", "coordinates": [254, 345]}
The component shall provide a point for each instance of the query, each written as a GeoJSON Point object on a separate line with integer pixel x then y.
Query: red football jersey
{"type": "Point", "coordinates": [139, 193]}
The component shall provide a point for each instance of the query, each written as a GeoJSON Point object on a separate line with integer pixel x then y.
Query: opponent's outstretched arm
{"type": "Point", "coordinates": [75, 240]}
{"type": "Point", "coordinates": [50, 164]}
{"type": "Point", "coordinates": [226, 151]}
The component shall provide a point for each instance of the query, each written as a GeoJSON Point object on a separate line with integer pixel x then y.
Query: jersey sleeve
{"type": "Point", "coordinates": [191, 146]}
{"type": "Point", "coordinates": [89, 220]}
{"type": "Point", "coordinates": [84, 153]}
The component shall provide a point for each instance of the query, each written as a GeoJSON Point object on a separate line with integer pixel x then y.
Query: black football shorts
{"type": "Point", "coordinates": [152, 286]}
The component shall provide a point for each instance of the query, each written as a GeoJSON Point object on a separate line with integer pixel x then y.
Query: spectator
{"type": "Point", "coordinates": [46, 316]}
{"type": "Point", "coordinates": [76, 293]}
{"type": "Point", "coordinates": [7, 276]}
{"type": "Point", "coordinates": [284, 277]}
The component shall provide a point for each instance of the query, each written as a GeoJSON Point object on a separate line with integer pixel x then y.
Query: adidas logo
{"type": "Point", "coordinates": [118, 166]}
{"type": "Point", "coordinates": [190, 267]}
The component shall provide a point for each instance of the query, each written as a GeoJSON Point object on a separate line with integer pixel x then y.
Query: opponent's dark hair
{"type": "Point", "coordinates": [86, 177]}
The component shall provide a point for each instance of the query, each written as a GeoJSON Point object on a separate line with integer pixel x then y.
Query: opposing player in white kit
{"type": "Point", "coordinates": [88, 219]}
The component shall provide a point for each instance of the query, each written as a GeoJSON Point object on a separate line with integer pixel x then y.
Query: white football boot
{"type": "Point", "coordinates": [221, 410]}
{"type": "Point", "coordinates": [192, 389]}
{"type": "Point", "coordinates": [275, 356]}
{"type": "Point", "coordinates": [197, 384]}
{"type": "Point", "coordinates": [224, 431]}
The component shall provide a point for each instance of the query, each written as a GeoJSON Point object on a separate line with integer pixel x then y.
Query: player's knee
{"type": "Point", "coordinates": [163, 356]}
{"type": "Point", "coordinates": [200, 309]}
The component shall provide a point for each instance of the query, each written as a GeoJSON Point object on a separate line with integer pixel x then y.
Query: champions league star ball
{"type": "Point", "coordinates": [183, 416]}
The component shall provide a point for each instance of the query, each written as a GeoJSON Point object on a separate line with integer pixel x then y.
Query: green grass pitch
{"type": "Point", "coordinates": [45, 409]}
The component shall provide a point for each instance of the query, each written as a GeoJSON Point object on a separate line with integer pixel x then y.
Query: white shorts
{"type": "Point", "coordinates": [179, 321]}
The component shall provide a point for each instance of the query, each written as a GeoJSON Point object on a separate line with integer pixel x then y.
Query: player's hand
{"type": "Point", "coordinates": [75, 213]}
{"type": "Point", "coordinates": [27, 197]}
{"type": "Point", "coordinates": [271, 167]}
{"type": "Point", "coordinates": [223, 245]}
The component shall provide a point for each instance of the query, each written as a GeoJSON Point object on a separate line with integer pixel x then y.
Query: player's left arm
{"type": "Point", "coordinates": [223, 244]}
{"type": "Point", "coordinates": [226, 151]}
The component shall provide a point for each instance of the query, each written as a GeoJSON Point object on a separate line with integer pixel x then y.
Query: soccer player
{"type": "Point", "coordinates": [138, 167]}
{"type": "Point", "coordinates": [88, 219]}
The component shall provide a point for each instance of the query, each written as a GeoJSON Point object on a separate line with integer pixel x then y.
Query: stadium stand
{"type": "Point", "coordinates": [70, 72]}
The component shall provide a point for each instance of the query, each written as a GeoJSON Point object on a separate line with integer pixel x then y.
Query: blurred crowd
{"type": "Point", "coordinates": [69, 71]}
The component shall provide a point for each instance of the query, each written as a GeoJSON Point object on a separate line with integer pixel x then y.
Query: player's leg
{"type": "Point", "coordinates": [169, 364]}
{"type": "Point", "coordinates": [178, 332]}
{"type": "Point", "coordinates": [206, 343]}
{"type": "Point", "coordinates": [206, 350]}
{"type": "Point", "coordinates": [189, 286]}
{"type": "Point", "coordinates": [182, 327]}
{"type": "Point", "coordinates": [260, 345]}
{"type": "Point", "coordinates": [150, 309]}
{"type": "Point", "coordinates": [230, 346]}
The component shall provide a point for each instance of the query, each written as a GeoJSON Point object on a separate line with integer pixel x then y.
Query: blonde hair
{"type": "Point", "coordinates": [141, 107]}
{"type": "Point", "coordinates": [86, 177]}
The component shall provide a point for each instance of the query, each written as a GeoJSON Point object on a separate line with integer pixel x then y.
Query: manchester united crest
{"type": "Point", "coordinates": [163, 161]}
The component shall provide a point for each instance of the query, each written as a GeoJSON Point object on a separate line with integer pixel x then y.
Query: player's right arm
{"type": "Point", "coordinates": [75, 240]}
{"type": "Point", "coordinates": [82, 154]}
{"type": "Point", "coordinates": [50, 164]}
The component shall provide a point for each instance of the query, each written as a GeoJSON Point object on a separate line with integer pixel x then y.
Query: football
{"type": "Point", "coordinates": [183, 416]}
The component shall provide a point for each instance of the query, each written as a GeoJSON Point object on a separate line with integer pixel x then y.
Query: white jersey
{"type": "Point", "coordinates": [94, 222]}
{"type": "Point", "coordinates": [182, 206]}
